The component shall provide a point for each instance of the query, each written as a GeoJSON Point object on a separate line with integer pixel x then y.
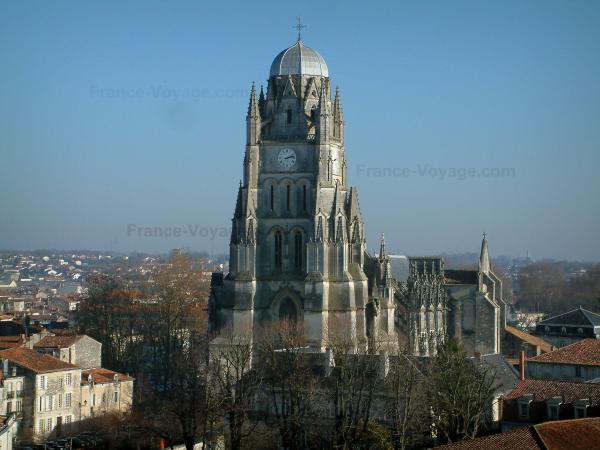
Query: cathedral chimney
{"type": "Point", "coordinates": [484, 258]}
{"type": "Point", "coordinates": [253, 119]}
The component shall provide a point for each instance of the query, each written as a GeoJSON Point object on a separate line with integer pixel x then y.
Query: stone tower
{"type": "Point", "coordinates": [297, 247]}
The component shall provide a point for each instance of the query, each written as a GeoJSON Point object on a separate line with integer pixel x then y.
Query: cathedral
{"type": "Point", "coordinates": [298, 250]}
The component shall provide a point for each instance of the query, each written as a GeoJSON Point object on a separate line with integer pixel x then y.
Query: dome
{"type": "Point", "coordinates": [299, 60]}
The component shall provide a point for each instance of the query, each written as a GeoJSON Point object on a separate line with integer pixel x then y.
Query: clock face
{"type": "Point", "coordinates": [287, 158]}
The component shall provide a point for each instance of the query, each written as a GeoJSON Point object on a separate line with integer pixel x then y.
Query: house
{"type": "Point", "coordinates": [79, 349]}
{"type": "Point", "coordinates": [570, 327]}
{"type": "Point", "coordinates": [105, 391]}
{"type": "Point", "coordinates": [515, 340]}
{"type": "Point", "coordinates": [536, 401]}
{"type": "Point", "coordinates": [48, 395]}
{"type": "Point", "coordinates": [580, 434]}
{"type": "Point", "coordinates": [575, 362]}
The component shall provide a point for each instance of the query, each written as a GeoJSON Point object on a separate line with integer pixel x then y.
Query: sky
{"type": "Point", "coordinates": [461, 117]}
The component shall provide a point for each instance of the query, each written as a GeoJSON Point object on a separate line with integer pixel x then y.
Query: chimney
{"type": "Point", "coordinates": [522, 365]}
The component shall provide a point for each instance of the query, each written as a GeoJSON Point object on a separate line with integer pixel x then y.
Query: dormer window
{"type": "Point", "coordinates": [563, 330]}
{"type": "Point", "coordinates": [547, 329]}
{"type": "Point", "coordinates": [553, 406]}
{"type": "Point", "coordinates": [580, 330]}
{"type": "Point", "coordinates": [523, 406]}
{"type": "Point", "coordinates": [580, 408]}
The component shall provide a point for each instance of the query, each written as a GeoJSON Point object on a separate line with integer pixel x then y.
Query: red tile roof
{"type": "Point", "coordinates": [585, 352]}
{"type": "Point", "coordinates": [57, 341]}
{"type": "Point", "coordinates": [546, 389]}
{"type": "Point", "coordinates": [578, 434]}
{"type": "Point", "coordinates": [32, 360]}
{"type": "Point", "coordinates": [101, 375]}
{"type": "Point", "coordinates": [10, 342]}
{"type": "Point", "coordinates": [529, 338]}
{"type": "Point", "coordinates": [521, 438]}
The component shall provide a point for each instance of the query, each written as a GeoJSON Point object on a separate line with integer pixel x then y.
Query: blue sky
{"type": "Point", "coordinates": [116, 114]}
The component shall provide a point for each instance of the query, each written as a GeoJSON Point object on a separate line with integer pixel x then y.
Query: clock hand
{"type": "Point", "coordinates": [288, 157]}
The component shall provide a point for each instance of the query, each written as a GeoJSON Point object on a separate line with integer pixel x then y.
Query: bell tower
{"type": "Point", "coordinates": [297, 246]}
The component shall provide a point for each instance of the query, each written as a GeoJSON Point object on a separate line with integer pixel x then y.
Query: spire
{"type": "Point", "coordinates": [324, 110]}
{"type": "Point", "coordinates": [253, 111]}
{"type": "Point", "coordinates": [484, 257]}
{"type": "Point", "coordinates": [337, 105]}
{"type": "Point", "coordinates": [253, 118]}
{"type": "Point", "coordinates": [382, 247]}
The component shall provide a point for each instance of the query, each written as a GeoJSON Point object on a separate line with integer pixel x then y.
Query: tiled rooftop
{"type": "Point", "coordinates": [32, 360]}
{"type": "Point", "coordinates": [578, 434]}
{"type": "Point", "coordinates": [585, 352]}
{"type": "Point", "coordinates": [101, 375]}
{"type": "Point", "coordinates": [546, 389]}
{"type": "Point", "coordinates": [529, 338]}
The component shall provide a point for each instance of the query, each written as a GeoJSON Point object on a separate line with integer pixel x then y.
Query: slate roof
{"type": "Point", "coordinates": [577, 316]}
{"type": "Point", "coordinates": [529, 338]}
{"type": "Point", "coordinates": [577, 434]}
{"type": "Point", "coordinates": [585, 352]}
{"type": "Point", "coordinates": [453, 276]}
{"type": "Point", "coordinates": [101, 375]}
{"type": "Point", "coordinates": [34, 361]}
{"type": "Point", "coordinates": [505, 375]}
{"type": "Point", "coordinates": [546, 389]}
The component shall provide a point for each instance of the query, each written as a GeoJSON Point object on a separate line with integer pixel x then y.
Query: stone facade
{"type": "Point", "coordinates": [81, 350]}
{"type": "Point", "coordinates": [104, 391]}
{"type": "Point", "coordinates": [476, 310]}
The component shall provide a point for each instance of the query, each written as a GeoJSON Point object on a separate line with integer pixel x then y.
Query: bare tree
{"type": "Point", "coordinates": [407, 406]}
{"type": "Point", "coordinates": [352, 384]}
{"type": "Point", "coordinates": [289, 382]}
{"type": "Point", "coordinates": [235, 384]}
{"type": "Point", "coordinates": [459, 393]}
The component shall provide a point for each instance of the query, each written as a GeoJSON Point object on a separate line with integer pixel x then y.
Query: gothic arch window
{"type": "Point", "coordinates": [278, 249]}
{"type": "Point", "coordinates": [313, 113]}
{"type": "Point", "coordinates": [288, 310]}
{"type": "Point", "coordinates": [272, 197]}
{"type": "Point", "coordinates": [287, 197]}
{"type": "Point", "coordinates": [304, 202]}
{"type": "Point", "coordinates": [289, 115]}
{"type": "Point", "coordinates": [298, 250]}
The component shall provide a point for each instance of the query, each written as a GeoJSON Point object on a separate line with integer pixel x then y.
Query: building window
{"type": "Point", "coordinates": [289, 115]}
{"type": "Point", "coordinates": [524, 410]}
{"type": "Point", "coordinates": [578, 371]}
{"type": "Point", "coordinates": [287, 198]}
{"type": "Point", "coordinates": [580, 330]}
{"type": "Point", "coordinates": [580, 413]}
{"type": "Point", "coordinates": [42, 382]}
{"type": "Point", "coordinates": [69, 379]}
{"type": "Point", "coordinates": [41, 404]}
{"type": "Point", "coordinates": [41, 426]}
{"type": "Point", "coordinates": [93, 399]}
{"type": "Point", "coordinates": [50, 402]}
{"type": "Point", "coordinates": [19, 405]}
{"type": "Point", "coordinates": [298, 250]}
{"type": "Point", "coordinates": [553, 412]}
{"type": "Point", "coordinates": [60, 382]}
{"type": "Point", "coordinates": [68, 400]}
{"type": "Point", "coordinates": [60, 400]}
{"type": "Point", "coordinates": [49, 424]}
{"type": "Point", "coordinates": [547, 329]}
{"type": "Point", "coordinates": [272, 198]}
{"type": "Point", "coordinates": [278, 250]}
{"type": "Point", "coordinates": [563, 330]}
{"type": "Point", "coordinates": [115, 396]}
{"type": "Point", "coordinates": [68, 419]}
